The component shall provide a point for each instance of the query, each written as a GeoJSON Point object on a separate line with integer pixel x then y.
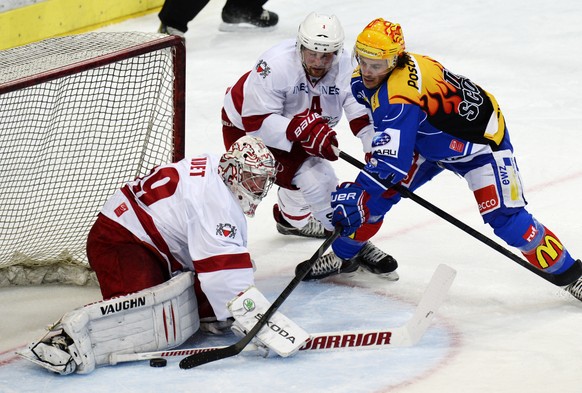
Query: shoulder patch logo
{"type": "Point", "coordinates": [263, 68]}
{"type": "Point", "coordinates": [119, 210]}
{"type": "Point", "coordinates": [226, 230]}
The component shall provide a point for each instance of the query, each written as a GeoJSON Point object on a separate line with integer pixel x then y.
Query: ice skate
{"type": "Point", "coordinates": [53, 352]}
{"type": "Point", "coordinates": [234, 19]}
{"type": "Point", "coordinates": [575, 289]}
{"type": "Point", "coordinates": [313, 228]}
{"type": "Point", "coordinates": [329, 265]}
{"type": "Point", "coordinates": [169, 30]}
{"type": "Point", "coordinates": [378, 262]}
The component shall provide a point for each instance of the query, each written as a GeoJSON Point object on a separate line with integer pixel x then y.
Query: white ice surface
{"type": "Point", "coordinates": [502, 329]}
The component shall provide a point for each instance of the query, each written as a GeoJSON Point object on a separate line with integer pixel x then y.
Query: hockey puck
{"type": "Point", "coordinates": [158, 362]}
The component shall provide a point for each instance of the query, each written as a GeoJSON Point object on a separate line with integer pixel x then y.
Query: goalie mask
{"type": "Point", "coordinates": [248, 168]}
{"type": "Point", "coordinates": [321, 33]}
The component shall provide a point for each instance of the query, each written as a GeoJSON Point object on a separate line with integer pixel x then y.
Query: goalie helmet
{"type": "Point", "coordinates": [321, 33]}
{"type": "Point", "coordinates": [248, 168]}
{"type": "Point", "coordinates": [381, 40]}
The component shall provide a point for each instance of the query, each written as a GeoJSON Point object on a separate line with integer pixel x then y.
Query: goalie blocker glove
{"type": "Point", "coordinates": [280, 334]}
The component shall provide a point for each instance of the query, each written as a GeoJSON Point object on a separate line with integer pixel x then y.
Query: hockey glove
{"type": "Point", "coordinates": [378, 165]}
{"type": "Point", "coordinates": [280, 334]}
{"type": "Point", "coordinates": [349, 207]}
{"type": "Point", "coordinates": [314, 134]}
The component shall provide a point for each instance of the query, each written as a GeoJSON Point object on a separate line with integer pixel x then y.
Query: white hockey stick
{"type": "Point", "coordinates": [407, 335]}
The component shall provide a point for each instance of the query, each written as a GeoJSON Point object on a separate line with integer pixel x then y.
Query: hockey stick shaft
{"type": "Point", "coordinates": [324, 341]}
{"type": "Point", "coordinates": [199, 359]}
{"type": "Point", "coordinates": [403, 336]}
{"type": "Point", "coordinates": [565, 278]}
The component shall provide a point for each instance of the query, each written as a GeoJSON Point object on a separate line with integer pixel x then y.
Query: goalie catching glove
{"type": "Point", "coordinates": [314, 134]}
{"type": "Point", "coordinates": [280, 334]}
{"type": "Point", "coordinates": [349, 207]}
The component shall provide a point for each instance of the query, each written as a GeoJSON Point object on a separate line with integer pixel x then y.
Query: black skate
{"type": "Point", "coordinates": [378, 262]}
{"type": "Point", "coordinates": [240, 19]}
{"type": "Point", "coordinates": [169, 30]}
{"type": "Point", "coordinates": [329, 265]}
{"type": "Point", "coordinates": [575, 289]}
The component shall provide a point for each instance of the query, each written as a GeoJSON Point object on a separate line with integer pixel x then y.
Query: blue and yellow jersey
{"type": "Point", "coordinates": [425, 107]}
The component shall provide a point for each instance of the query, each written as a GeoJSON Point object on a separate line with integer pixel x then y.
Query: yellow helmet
{"type": "Point", "coordinates": [379, 40]}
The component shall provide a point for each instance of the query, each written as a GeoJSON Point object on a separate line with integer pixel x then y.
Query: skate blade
{"type": "Point", "coordinates": [243, 27]}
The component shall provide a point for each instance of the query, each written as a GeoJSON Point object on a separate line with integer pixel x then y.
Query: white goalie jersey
{"type": "Point", "coordinates": [187, 213]}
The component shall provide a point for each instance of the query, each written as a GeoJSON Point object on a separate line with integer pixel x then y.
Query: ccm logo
{"type": "Point", "coordinates": [343, 197]}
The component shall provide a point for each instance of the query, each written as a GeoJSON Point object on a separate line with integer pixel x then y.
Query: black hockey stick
{"type": "Point", "coordinates": [565, 278]}
{"type": "Point", "coordinates": [199, 359]}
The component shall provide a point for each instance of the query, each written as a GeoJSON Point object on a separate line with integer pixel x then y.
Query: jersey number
{"type": "Point", "coordinates": [156, 186]}
{"type": "Point", "coordinates": [315, 105]}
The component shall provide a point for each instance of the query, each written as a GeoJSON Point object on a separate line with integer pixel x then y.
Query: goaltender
{"type": "Point", "coordinates": [147, 241]}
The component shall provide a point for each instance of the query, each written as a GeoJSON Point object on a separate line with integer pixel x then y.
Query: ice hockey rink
{"type": "Point", "coordinates": [501, 328]}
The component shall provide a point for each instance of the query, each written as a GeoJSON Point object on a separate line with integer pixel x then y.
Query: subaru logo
{"type": "Point", "coordinates": [381, 139]}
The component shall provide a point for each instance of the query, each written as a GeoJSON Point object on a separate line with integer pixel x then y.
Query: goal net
{"type": "Point", "coordinates": [79, 116]}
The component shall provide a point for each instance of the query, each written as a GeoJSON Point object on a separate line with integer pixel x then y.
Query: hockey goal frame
{"type": "Point", "coordinates": [66, 272]}
{"type": "Point", "coordinates": [179, 62]}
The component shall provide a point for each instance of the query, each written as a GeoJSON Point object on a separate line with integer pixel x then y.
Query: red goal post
{"type": "Point", "coordinates": [79, 116]}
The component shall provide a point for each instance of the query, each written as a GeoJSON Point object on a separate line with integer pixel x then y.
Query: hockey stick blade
{"type": "Point", "coordinates": [199, 359]}
{"type": "Point", "coordinates": [567, 277]}
{"type": "Point", "coordinates": [429, 304]}
{"type": "Point", "coordinates": [407, 335]}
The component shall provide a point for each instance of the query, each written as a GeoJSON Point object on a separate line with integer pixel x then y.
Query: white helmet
{"type": "Point", "coordinates": [248, 168]}
{"type": "Point", "coordinates": [321, 33]}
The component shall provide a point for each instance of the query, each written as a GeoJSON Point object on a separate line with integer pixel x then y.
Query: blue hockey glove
{"type": "Point", "coordinates": [349, 207]}
{"type": "Point", "coordinates": [380, 166]}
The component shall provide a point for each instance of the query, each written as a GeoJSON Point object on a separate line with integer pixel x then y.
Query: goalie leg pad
{"type": "Point", "coordinates": [280, 334]}
{"type": "Point", "coordinates": [154, 319]}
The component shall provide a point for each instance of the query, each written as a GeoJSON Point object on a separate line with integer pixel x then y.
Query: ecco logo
{"type": "Point", "coordinates": [487, 198]}
{"type": "Point", "coordinates": [487, 205]}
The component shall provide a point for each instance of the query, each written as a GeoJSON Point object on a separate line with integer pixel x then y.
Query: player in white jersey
{"type": "Point", "coordinates": [294, 95]}
{"type": "Point", "coordinates": [184, 216]}
{"type": "Point", "coordinates": [150, 236]}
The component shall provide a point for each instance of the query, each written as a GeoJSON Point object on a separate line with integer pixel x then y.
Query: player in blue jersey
{"type": "Point", "coordinates": [427, 119]}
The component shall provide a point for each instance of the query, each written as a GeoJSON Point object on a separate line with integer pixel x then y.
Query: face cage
{"type": "Point", "coordinates": [249, 181]}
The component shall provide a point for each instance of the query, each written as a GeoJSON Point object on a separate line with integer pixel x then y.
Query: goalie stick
{"type": "Point", "coordinates": [407, 335]}
{"type": "Point", "coordinates": [563, 279]}
{"type": "Point", "coordinates": [198, 359]}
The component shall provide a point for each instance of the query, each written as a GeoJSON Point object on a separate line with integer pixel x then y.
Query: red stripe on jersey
{"type": "Point", "coordinates": [250, 123]}
{"type": "Point", "coordinates": [149, 226]}
{"type": "Point", "coordinates": [237, 92]}
{"type": "Point", "coordinates": [357, 124]}
{"type": "Point", "coordinates": [223, 262]}
{"type": "Point", "coordinates": [253, 123]}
